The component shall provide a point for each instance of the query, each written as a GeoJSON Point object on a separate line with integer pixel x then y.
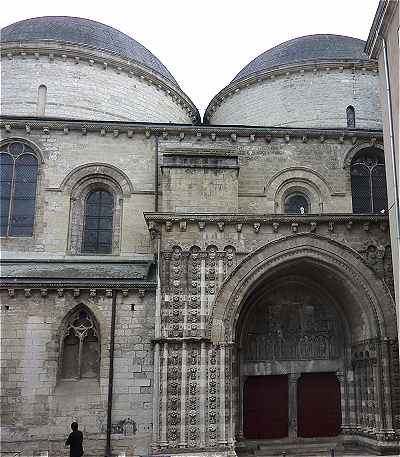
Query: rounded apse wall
{"type": "Point", "coordinates": [313, 98]}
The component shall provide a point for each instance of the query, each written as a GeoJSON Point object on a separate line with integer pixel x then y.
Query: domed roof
{"type": "Point", "coordinates": [85, 32]}
{"type": "Point", "coordinates": [310, 48]}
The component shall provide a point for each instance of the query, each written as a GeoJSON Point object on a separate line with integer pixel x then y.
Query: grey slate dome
{"type": "Point", "coordinates": [310, 48]}
{"type": "Point", "coordinates": [84, 32]}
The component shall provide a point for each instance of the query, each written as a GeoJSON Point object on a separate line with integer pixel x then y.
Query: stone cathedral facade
{"type": "Point", "coordinates": [178, 285]}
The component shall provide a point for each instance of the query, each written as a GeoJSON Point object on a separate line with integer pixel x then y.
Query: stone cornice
{"type": "Point", "coordinates": [155, 221]}
{"type": "Point", "coordinates": [106, 60]}
{"type": "Point", "coordinates": [285, 71]}
{"type": "Point", "coordinates": [199, 132]}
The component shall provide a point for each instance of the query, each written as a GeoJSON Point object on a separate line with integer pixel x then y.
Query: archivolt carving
{"type": "Point", "coordinates": [97, 170]}
{"type": "Point", "coordinates": [323, 251]}
{"type": "Point", "coordinates": [355, 149]}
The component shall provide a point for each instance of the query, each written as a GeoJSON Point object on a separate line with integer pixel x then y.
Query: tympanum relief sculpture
{"type": "Point", "coordinates": [281, 329]}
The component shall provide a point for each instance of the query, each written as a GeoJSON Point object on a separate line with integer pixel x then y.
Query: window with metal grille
{"type": "Point", "coordinates": [18, 179]}
{"type": "Point", "coordinates": [98, 228]}
{"type": "Point", "coordinates": [351, 117]}
{"type": "Point", "coordinates": [296, 203]}
{"type": "Point", "coordinates": [368, 182]}
{"type": "Point", "coordinates": [80, 347]}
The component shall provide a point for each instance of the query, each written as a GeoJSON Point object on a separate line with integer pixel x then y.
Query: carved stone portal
{"type": "Point", "coordinates": [300, 328]}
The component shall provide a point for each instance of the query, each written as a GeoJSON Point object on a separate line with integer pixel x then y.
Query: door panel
{"type": "Point", "coordinates": [265, 407]}
{"type": "Point", "coordinates": [318, 405]}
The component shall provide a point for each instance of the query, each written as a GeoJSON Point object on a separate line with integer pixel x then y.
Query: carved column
{"type": "Point", "coordinates": [222, 431]}
{"type": "Point", "coordinates": [156, 396]}
{"type": "Point", "coordinates": [293, 378]}
{"type": "Point", "coordinates": [385, 387]}
{"type": "Point", "coordinates": [343, 399]}
{"type": "Point", "coordinates": [203, 296]}
{"type": "Point", "coordinates": [164, 397]}
{"type": "Point", "coordinates": [203, 393]}
{"type": "Point", "coordinates": [183, 442]}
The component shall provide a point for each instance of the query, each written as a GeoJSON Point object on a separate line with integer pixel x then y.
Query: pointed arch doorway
{"type": "Point", "coordinates": [292, 346]}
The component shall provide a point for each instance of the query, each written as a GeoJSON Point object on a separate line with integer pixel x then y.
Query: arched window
{"type": "Point", "coordinates": [98, 226]}
{"type": "Point", "coordinates": [41, 102]}
{"type": "Point", "coordinates": [351, 117]}
{"type": "Point", "coordinates": [18, 179]}
{"type": "Point", "coordinates": [296, 203]}
{"type": "Point", "coordinates": [368, 182]}
{"type": "Point", "coordinates": [80, 347]}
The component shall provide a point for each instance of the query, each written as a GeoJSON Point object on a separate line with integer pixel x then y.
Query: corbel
{"type": "Point", "coordinates": [125, 292]}
{"type": "Point", "coordinates": [287, 138]}
{"type": "Point", "coordinates": [37, 55]}
{"type": "Point", "coordinates": [239, 227]}
{"type": "Point", "coordinates": [60, 292]}
{"type": "Point", "coordinates": [141, 293]}
{"type": "Point", "coordinates": [84, 130]}
{"type": "Point", "coordinates": [221, 226]}
{"type": "Point", "coordinates": [108, 293]}
{"type": "Point", "coordinates": [43, 292]}
{"type": "Point", "coordinates": [91, 62]}
{"type": "Point", "coordinates": [275, 227]}
{"type": "Point", "coordinates": [23, 55]}
{"type": "Point", "coordinates": [182, 226]}
{"type": "Point", "coordinates": [130, 133]}
{"type": "Point", "coordinates": [268, 138]}
{"type": "Point", "coordinates": [115, 133]}
{"type": "Point", "coordinates": [331, 226]}
{"type": "Point", "coordinates": [92, 292]}
{"type": "Point", "coordinates": [51, 57]}
{"type": "Point", "coordinates": [256, 227]}
{"type": "Point", "coordinates": [165, 135]}
{"type": "Point", "coordinates": [147, 133]}
{"type": "Point", "coordinates": [8, 128]}
{"type": "Point", "coordinates": [76, 292]}
{"type": "Point", "coordinates": [103, 132]}
{"type": "Point", "coordinates": [295, 227]}
{"type": "Point", "coordinates": [233, 137]}
{"type": "Point", "coordinates": [105, 65]}
{"type": "Point", "coordinates": [65, 130]}
{"type": "Point", "coordinates": [202, 225]}
{"type": "Point", "coordinates": [198, 136]}
{"type": "Point", "coordinates": [304, 139]}
{"type": "Point", "coordinates": [11, 293]}
{"type": "Point", "coordinates": [27, 129]}
{"type": "Point", "coordinates": [252, 138]}
{"type": "Point", "coordinates": [213, 136]}
{"type": "Point", "coordinates": [181, 136]}
{"type": "Point", "coordinates": [313, 227]}
{"type": "Point", "coordinates": [76, 60]}
{"type": "Point", "coordinates": [168, 226]}
{"type": "Point", "coordinates": [366, 226]}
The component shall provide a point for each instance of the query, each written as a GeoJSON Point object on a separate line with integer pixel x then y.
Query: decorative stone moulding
{"type": "Point", "coordinates": [327, 223]}
{"type": "Point", "coordinates": [105, 61]}
{"type": "Point", "coordinates": [284, 72]}
{"type": "Point", "coordinates": [179, 132]}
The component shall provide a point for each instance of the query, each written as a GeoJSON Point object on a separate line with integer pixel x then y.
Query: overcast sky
{"type": "Point", "coordinates": [205, 43]}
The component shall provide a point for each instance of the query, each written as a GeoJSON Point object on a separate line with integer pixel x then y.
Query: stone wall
{"type": "Point", "coordinates": [309, 97]}
{"type": "Point", "coordinates": [38, 406]}
{"type": "Point", "coordinates": [83, 86]}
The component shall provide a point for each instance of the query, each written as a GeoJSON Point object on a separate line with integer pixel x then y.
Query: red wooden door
{"type": "Point", "coordinates": [318, 405]}
{"type": "Point", "coordinates": [265, 407]}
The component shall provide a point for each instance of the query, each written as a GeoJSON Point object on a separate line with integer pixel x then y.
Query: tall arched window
{"type": "Point", "coordinates": [351, 117]}
{"type": "Point", "coordinates": [18, 179]}
{"type": "Point", "coordinates": [98, 227]}
{"type": "Point", "coordinates": [368, 182]}
{"type": "Point", "coordinates": [80, 347]}
{"type": "Point", "coordinates": [296, 203]}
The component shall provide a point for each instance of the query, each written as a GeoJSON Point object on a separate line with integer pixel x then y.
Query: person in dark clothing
{"type": "Point", "coordinates": [75, 441]}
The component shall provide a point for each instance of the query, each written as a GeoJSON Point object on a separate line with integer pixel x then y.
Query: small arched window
{"type": "Point", "coordinates": [80, 347]}
{"type": "Point", "coordinates": [18, 179]}
{"type": "Point", "coordinates": [296, 203]}
{"type": "Point", "coordinates": [368, 182]}
{"type": "Point", "coordinates": [41, 102]}
{"type": "Point", "coordinates": [351, 117]}
{"type": "Point", "coordinates": [98, 226]}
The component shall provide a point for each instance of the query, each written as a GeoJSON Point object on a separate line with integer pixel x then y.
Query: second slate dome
{"type": "Point", "coordinates": [305, 82]}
